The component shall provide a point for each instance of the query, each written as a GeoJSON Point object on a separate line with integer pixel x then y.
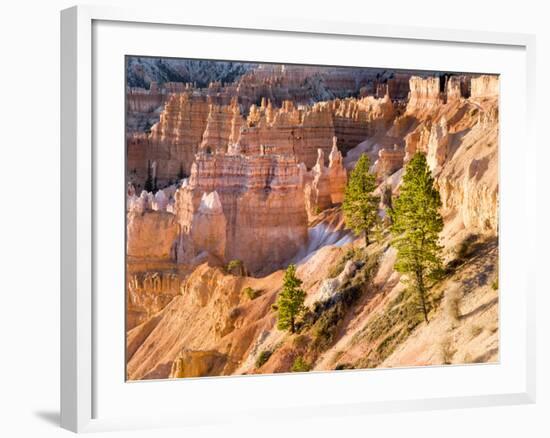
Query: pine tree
{"type": "Point", "coordinates": [181, 173]}
{"type": "Point", "coordinates": [290, 303]}
{"type": "Point", "coordinates": [148, 186]}
{"type": "Point", "coordinates": [360, 205]}
{"type": "Point", "coordinates": [416, 227]}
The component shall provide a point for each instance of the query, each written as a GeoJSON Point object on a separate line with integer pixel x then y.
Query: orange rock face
{"type": "Point", "coordinates": [317, 192]}
{"type": "Point", "coordinates": [151, 235]}
{"type": "Point", "coordinates": [425, 94]}
{"type": "Point", "coordinates": [148, 293]}
{"type": "Point", "coordinates": [325, 186]}
{"type": "Point", "coordinates": [222, 127]}
{"type": "Point", "coordinates": [262, 201]}
{"type": "Point", "coordinates": [288, 130]}
{"type": "Point", "coordinates": [389, 161]}
{"type": "Point", "coordinates": [357, 119]}
{"type": "Point", "coordinates": [457, 87]}
{"type": "Point", "coordinates": [468, 180]}
{"type": "Point", "coordinates": [337, 175]}
{"type": "Point", "coordinates": [485, 86]}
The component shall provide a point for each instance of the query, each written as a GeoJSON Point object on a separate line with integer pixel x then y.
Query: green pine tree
{"type": "Point", "coordinates": [360, 205]}
{"type": "Point", "coordinates": [416, 224]}
{"type": "Point", "coordinates": [290, 303]}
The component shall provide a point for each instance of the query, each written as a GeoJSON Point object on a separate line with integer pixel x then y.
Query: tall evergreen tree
{"type": "Point", "coordinates": [181, 173]}
{"type": "Point", "coordinates": [290, 302]}
{"type": "Point", "coordinates": [360, 205]}
{"type": "Point", "coordinates": [416, 227]}
{"type": "Point", "coordinates": [148, 186]}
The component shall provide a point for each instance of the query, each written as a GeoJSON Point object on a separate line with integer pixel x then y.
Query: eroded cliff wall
{"type": "Point", "coordinates": [262, 201]}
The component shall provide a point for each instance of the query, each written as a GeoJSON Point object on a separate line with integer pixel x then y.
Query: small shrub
{"type": "Point", "coordinates": [252, 294]}
{"type": "Point", "coordinates": [301, 341]}
{"type": "Point", "coordinates": [300, 365]}
{"type": "Point", "coordinates": [351, 254]}
{"type": "Point", "coordinates": [344, 366]}
{"type": "Point", "coordinates": [235, 313]}
{"type": "Point", "coordinates": [446, 351]}
{"type": "Point", "coordinates": [236, 267]}
{"type": "Point", "coordinates": [467, 247]}
{"type": "Point", "coordinates": [263, 357]}
{"type": "Point", "coordinates": [494, 284]}
{"type": "Point", "coordinates": [462, 252]}
{"type": "Point", "coordinates": [326, 327]}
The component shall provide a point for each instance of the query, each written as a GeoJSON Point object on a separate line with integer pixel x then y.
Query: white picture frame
{"type": "Point", "coordinates": [79, 174]}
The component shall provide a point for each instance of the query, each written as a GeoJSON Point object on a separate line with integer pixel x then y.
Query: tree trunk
{"type": "Point", "coordinates": [291, 324]}
{"type": "Point", "coordinates": [367, 240]}
{"type": "Point", "coordinates": [422, 292]}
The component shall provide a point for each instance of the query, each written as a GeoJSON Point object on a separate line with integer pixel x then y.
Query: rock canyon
{"type": "Point", "coordinates": [236, 171]}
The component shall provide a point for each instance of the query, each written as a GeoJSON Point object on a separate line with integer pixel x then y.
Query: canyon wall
{"type": "Point", "coordinates": [151, 235]}
{"type": "Point", "coordinates": [222, 127]}
{"type": "Point", "coordinates": [424, 95]}
{"type": "Point", "coordinates": [325, 186]}
{"type": "Point", "coordinates": [389, 161]}
{"type": "Point", "coordinates": [262, 205]}
{"type": "Point", "coordinates": [140, 100]}
{"type": "Point", "coordinates": [468, 181]}
{"type": "Point", "coordinates": [301, 84]}
{"type": "Point", "coordinates": [147, 293]}
{"type": "Point", "coordinates": [288, 130]}
{"type": "Point", "coordinates": [245, 171]}
{"type": "Point", "coordinates": [457, 87]}
{"type": "Point", "coordinates": [485, 86]}
{"type": "Point", "coordinates": [142, 107]}
{"type": "Point", "coordinates": [249, 196]}
{"type": "Point", "coordinates": [172, 143]}
{"type": "Point", "coordinates": [357, 119]}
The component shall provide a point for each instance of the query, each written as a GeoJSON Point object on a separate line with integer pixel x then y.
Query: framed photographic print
{"type": "Point", "coordinates": [268, 206]}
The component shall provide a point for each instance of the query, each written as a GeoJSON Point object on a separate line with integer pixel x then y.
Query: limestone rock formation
{"type": "Point", "coordinates": [142, 100]}
{"type": "Point", "coordinates": [329, 287]}
{"type": "Point", "coordinates": [337, 174]}
{"type": "Point", "coordinates": [326, 186]}
{"type": "Point", "coordinates": [357, 119]}
{"type": "Point", "coordinates": [147, 293]}
{"type": "Point", "coordinates": [197, 364]}
{"type": "Point", "coordinates": [142, 107]}
{"type": "Point", "coordinates": [222, 127]}
{"type": "Point", "coordinates": [417, 140]}
{"type": "Point", "coordinates": [457, 87]}
{"type": "Point", "coordinates": [175, 139]}
{"type": "Point", "coordinates": [209, 227]}
{"type": "Point", "coordinates": [151, 235]}
{"type": "Point", "coordinates": [469, 180]}
{"type": "Point", "coordinates": [288, 130]}
{"type": "Point", "coordinates": [262, 200]}
{"type": "Point", "coordinates": [424, 94]}
{"type": "Point", "coordinates": [438, 144]}
{"type": "Point", "coordinates": [317, 192]}
{"type": "Point", "coordinates": [389, 161]}
{"type": "Point", "coordinates": [485, 86]}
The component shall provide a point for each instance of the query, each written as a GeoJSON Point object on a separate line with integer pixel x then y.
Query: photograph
{"type": "Point", "coordinates": [292, 219]}
{"type": "Point", "coordinates": [289, 218]}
